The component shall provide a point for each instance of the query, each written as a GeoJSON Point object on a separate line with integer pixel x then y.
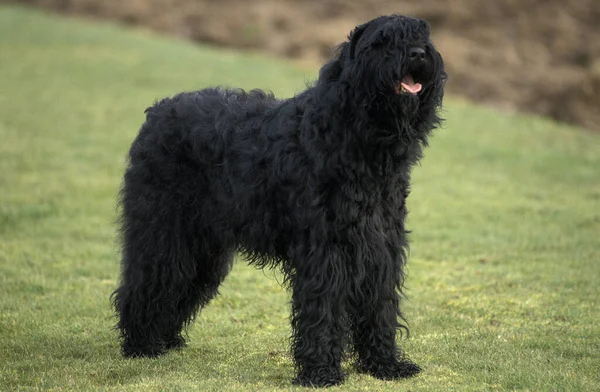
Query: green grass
{"type": "Point", "coordinates": [505, 261]}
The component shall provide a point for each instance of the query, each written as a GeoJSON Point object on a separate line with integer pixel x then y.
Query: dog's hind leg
{"type": "Point", "coordinates": [169, 270]}
{"type": "Point", "coordinates": [213, 264]}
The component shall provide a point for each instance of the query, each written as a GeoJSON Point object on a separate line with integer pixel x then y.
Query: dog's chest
{"type": "Point", "coordinates": [371, 204]}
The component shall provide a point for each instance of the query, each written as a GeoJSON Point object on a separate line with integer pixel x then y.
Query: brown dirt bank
{"type": "Point", "coordinates": [540, 56]}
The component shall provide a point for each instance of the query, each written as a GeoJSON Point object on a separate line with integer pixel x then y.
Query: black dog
{"type": "Point", "coordinates": [315, 185]}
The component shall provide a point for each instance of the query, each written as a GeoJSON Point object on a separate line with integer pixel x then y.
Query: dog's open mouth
{"type": "Point", "coordinates": [408, 86]}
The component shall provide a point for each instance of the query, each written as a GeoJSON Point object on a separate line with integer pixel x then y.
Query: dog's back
{"type": "Point", "coordinates": [212, 152]}
{"type": "Point", "coordinates": [202, 122]}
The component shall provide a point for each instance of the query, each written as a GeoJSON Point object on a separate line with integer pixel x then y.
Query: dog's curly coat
{"type": "Point", "coordinates": [315, 184]}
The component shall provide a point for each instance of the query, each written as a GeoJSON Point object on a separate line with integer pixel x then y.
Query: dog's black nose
{"type": "Point", "coordinates": [416, 53]}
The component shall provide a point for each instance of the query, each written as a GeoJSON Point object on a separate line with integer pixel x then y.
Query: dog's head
{"type": "Point", "coordinates": [390, 66]}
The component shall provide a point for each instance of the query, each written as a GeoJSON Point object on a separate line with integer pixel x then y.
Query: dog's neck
{"type": "Point", "coordinates": [351, 140]}
{"type": "Point", "coordinates": [368, 124]}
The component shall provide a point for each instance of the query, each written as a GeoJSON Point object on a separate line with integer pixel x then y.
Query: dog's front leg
{"type": "Point", "coordinates": [375, 305]}
{"type": "Point", "coordinates": [319, 322]}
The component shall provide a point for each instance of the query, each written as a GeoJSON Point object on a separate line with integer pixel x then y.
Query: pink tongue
{"type": "Point", "coordinates": [409, 84]}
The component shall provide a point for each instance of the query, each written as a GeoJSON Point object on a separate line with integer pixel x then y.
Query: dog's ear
{"type": "Point", "coordinates": [345, 52]}
{"type": "Point", "coordinates": [353, 39]}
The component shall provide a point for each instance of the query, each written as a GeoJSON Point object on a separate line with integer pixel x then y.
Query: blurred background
{"type": "Point", "coordinates": [537, 56]}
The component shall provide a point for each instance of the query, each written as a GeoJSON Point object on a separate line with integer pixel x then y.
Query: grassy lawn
{"type": "Point", "coordinates": [505, 209]}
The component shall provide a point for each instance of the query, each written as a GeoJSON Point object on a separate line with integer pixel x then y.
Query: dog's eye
{"type": "Point", "coordinates": [379, 40]}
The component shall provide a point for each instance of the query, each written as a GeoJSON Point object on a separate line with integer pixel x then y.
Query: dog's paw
{"type": "Point", "coordinates": [175, 343]}
{"type": "Point", "coordinates": [319, 377]}
{"type": "Point", "coordinates": [142, 351]}
{"type": "Point", "coordinates": [390, 370]}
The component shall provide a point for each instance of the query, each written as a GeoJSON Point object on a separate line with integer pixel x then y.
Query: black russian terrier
{"type": "Point", "coordinates": [315, 185]}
